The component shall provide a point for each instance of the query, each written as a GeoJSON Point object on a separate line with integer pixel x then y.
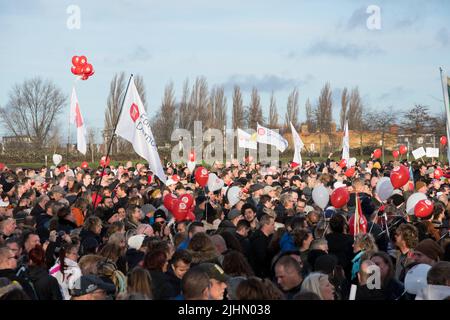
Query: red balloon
{"type": "Point", "coordinates": [438, 173]}
{"type": "Point", "coordinates": [423, 208]}
{"type": "Point", "coordinates": [73, 69]}
{"type": "Point", "coordinates": [192, 156]}
{"type": "Point", "coordinates": [350, 172]}
{"type": "Point", "coordinates": [201, 176]}
{"type": "Point", "coordinates": [78, 70]}
{"type": "Point", "coordinates": [188, 199]}
{"type": "Point", "coordinates": [340, 197]}
{"type": "Point", "coordinates": [399, 176]}
{"type": "Point", "coordinates": [105, 161]}
{"type": "Point", "coordinates": [180, 210]}
{"type": "Point", "coordinates": [83, 61]}
{"type": "Point", "coordinates": [190, 216]}
{"type": "Point", "coordinates": [395, 154]}
{"type": "Point", "coordinates": [294, 165]}
{"type": "Point", "coordinates": [84, 77]}
{"type": "Point", "coordinates": [84, 165]}
{"type": "Point", "coordinates": [343, 163]}
{"type": "Point", "coordinates": [75, 60]}
{"type": "Point", "coordinates": [169, 201]}
{"type": "Point", "coordinates": [403, 149]}
{"type": "Point", "coordinates": [87, 69]}
{"type": "Point", "coordinates": [377, 153]}
{"type": "Point", "coordinates": [443, 140]}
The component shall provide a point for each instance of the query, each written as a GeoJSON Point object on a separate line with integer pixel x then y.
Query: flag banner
{"type": "Point", "coordinates": [346, 143]}
{"type": "Point", "coordinates": [246, 140]}
{"type": "Point", "coordinates": [298, 145]}
{"type": "Point", "coordinates": [419, 153]}
{"type": "Point", "coordinates": [432, 152]}
{"type": "Point", "coordinates": [446, 91]}
{"type": "Point", "coordinates": [134, 126]}
{"type": "Point", "coordinates": [267, 136]}
{"type": "Point", "coordinates": [77, 119]}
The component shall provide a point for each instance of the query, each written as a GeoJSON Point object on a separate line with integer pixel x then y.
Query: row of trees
{"type": "Point", "coordinates": [34, 106]}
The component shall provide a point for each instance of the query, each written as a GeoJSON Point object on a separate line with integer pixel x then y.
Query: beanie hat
{"type": "Point", "coordinates": [429, 248]}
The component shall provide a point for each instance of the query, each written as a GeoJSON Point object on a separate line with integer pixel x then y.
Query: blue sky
{"type": "Point", "coordinates": [273, 45]}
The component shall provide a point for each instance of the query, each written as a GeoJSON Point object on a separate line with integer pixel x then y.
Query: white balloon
{"type": "Point", "coordinates": [416, 278]}
{"type": "Point", "coordinates": [384, 188]}
{"type": "Point", "coordinates": [321, 196]}
{"type": "Point", "coordinates": [57, 158]}
{"type": "Point", "coordinates": [234, 195]}
{"type": "Point", "coordinates": [191, 166]}
{"type": "Point", "coordinates": [214, 182]}
{"type": "Point", "coordinates": [412, 201]}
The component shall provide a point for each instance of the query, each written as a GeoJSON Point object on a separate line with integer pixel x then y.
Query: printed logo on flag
{"type": "Point", "coordinates": [261, 131]}
{"type": "Point", "coordinates": [134, 112]}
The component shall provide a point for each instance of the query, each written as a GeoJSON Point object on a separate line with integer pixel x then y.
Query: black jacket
{"type": "Point", "coordinates": [66, 226]}
{"type": "Point", "coordinates": [174, 282]}
{"type": "Point", "coordinates": [364, 293]}
{"type": "Point", "coordinates": [89, 242]}
{"type": "Point", "coordinates": [341, 245]}
{"type": "Point", "coordinates": [161, 288]}
{"type": "Point", "coordinates": [46, 286]}
{"type": "Point", "coordinates": [258, 257]}
{"type": "Point", "coordinates": [37, 210]}
{"type": "Point", "coordinates": [26, 284]}
{"type": "Point", "coordinates": [133, 257]}
{"type": "Point", "coordinates": [245, 244]}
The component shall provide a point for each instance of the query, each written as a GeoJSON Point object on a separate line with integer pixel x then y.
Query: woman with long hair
{"type": "Point", "coordinates": [66, 269]}
{"type": "Point", "coordinates": [139, 281]}
{"type": "Point", "coordinates": [391, 287]}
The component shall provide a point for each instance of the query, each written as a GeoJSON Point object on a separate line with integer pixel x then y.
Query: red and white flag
{"type": "Point", "coordinates": [134, 126]}
{"type": "Point", "coordinates": [77, 119]}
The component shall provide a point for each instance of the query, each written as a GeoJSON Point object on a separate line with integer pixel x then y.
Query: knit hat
{"type": "Point", "coordinates": [233, 214]}
{"type": "Point", "coordinates": [429, 248]}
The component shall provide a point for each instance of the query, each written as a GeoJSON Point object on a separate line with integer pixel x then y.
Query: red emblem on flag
{"type": "Point", "coordinates": [134, 112]}
{"type": "Point", "coordinates": [78, 119]}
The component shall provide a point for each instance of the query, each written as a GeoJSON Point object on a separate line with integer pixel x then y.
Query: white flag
{"type": "Point", "coordinates": [267, 136]}
{"type": "Point", "coordinates": [298, 144]}
{"type": "Point", "coordinates": [446, 92]}
{"type": "Point", "coordinates": [134, 126]}
{"type": "Point", "coordinates": [77, 119]}
{"type": "Point", "coordinates": [246, 140]}
{"type": "Point", "coordinates": [346, 143]}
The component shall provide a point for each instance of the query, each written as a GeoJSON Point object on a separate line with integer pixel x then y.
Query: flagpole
{"type": "Point", "coordinates": [445, 109]}
{"type": "Point", "coordinates": [112, 138]}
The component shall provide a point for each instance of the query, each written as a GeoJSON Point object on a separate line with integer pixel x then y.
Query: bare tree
{"type": "Point", "coordinates": [273, 113]}
{"type": "Point", "coordinates": [165, 120]}
{"type": "Point", "coordinates": [139, 82]}
{"type": "Point", "coordinates": [418, 120]}
{"type": "Point", "coordinates": [344, 105]}
{"type": "Point", "coordinates": [355, 116]}
{"type": "Point", "coordinates": [32, 110]}
{"type": "Point", "coordinates": [91, 133]}
{"type": "Point", "coordinates": [254, 111]}
{"type": "Point", "coordinates": [238, 109]}
{"type": "Point", "coordinates": [219, 108]}
{"type": "Point", "coordinates": [198, 103]}
{"type": "Point", "coordinates": [55, 138]}
{"type": "Point", "coordinates": [381, 121]}
{"type": "Point", "coordinates": [310, 117]}
{"type": "Point", "coordinates": [324, 113]}
{"type": "Point", "coordinates": [185, 114]}
{"type": "Point", "coordinates": [292, 110]}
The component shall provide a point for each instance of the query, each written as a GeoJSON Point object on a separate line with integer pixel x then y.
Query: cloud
{"type": "Point", "coordinates": [266, 83]}
{"type": "Point", "coordinates": [358, 19]}
{"type": "Point", "coordinates": [140, 54]}
{"type": "Point", "coordinates": [407, 22]}
{"type": "Point", "coordinates": [345, 50]}
{"type": "Point", "coordinates": [443, 36]}
{"type": "Point", "coordinates": [394, 93]}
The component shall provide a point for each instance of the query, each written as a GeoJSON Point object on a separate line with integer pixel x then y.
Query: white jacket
{"type": "Point", "coordinates": [71, 274]}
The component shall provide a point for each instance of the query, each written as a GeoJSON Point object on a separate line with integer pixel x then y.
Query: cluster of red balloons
{"type": "Point", "coordinates": [201, 176]}
{"type": "Point", "coordinates": [81, 67]}
{"type": "Point", "coordinates": [182, 208]}
{"type": "Point", "coordinates": [399, 176]}
{"type": "Point", "coordinates": [340, 197]}
{"type": "Point", "coordinates": [401, 151]}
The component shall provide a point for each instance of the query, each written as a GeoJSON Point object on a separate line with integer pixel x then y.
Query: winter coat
{"type": "Point", "coordinates": [26, 283]}
{"type": "Point", "coordinates": [89, 242]}
{"type": "Point", "coordinates": [67, 279]}
{"type": "Point", "coordinates": [46, 286]}
{"type": "Point", "coordinates": [204, 256]}
{"type": "Point", "coordinates": [161, 288]}
{"type": "Point", "coordinates": [259, 257]}
{"type": "Point", "coordinates": [226, 225]}
{"type": "Point", "coordinates": [341, 245]}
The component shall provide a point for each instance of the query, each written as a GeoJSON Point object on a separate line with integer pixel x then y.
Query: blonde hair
{"type": "Point", "coordinates": [312, 283]}
{"type": "Point", "coordinates": [366, 242]}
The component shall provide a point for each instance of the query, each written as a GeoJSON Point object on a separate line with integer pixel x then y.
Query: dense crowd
{"type": "Point", "coordinates": [109, 233]}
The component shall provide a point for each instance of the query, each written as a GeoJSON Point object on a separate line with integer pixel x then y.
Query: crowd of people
{"type": "Point", "coordinates": [105, 233]}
